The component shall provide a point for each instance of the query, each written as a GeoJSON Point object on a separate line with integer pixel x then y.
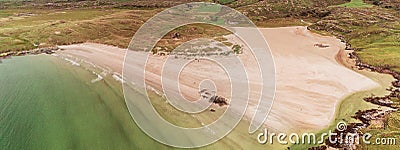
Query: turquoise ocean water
{"type": "Point", "coordinates": [47, 103]}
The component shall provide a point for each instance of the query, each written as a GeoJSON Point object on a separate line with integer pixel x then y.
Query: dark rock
{"type": "Point", "coordinates": [221, 101]}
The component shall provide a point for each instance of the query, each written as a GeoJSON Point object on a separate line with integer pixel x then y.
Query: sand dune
{"type": "Point", "coordinates": [309, 80]}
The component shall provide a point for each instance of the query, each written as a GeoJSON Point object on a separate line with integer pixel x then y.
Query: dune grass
{"type": "Point", "coordinates": [115, 27]}
{"type": "Point", "coordinates": [356, 3]}
{"type": "Point", "coordinates": [225, 1]}
{"type": "Point", "coordinates": [24, 32]}
{"type": "Point", "coordinates": [4, 14]}
{"type": "Point", "coordinates": [60, 27]}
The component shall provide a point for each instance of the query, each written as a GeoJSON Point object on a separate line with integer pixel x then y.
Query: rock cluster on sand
{"type": "Point", "coordinates": [221, 101]}
{"type": "Point", "coordinates": [212, 98]}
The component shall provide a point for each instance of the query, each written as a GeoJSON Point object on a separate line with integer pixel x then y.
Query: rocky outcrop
{"type": "Point", "coordinates": [366, 117]}
{"type": "Point", "coordinates": [213, 98]}
{"type": "Point", "coordinates": [383, 101]}
{"type": "Point", "coordinates": [219, 100]}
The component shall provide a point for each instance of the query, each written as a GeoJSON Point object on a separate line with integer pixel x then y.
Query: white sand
{"type": "Point", "coordinates": [309, 80]}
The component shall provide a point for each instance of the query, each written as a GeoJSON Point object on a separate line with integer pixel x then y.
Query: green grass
{"type": "Point", "coordinates": [113, 27]}
{"type": "Point", "coordinates": [54, 27]}
{"type": "Point", "coordinates": [356, 3]}
{"type": "Point", "coordinates": [378, 50]}
{"type": "Point", "coordinates": [279, 22]}
{"type": "Point", "coordinates": [391, 131]}
{"type": "Point", "coordinates": [212, 8]}
{"type": "Point", "coordinates": [42, 17]}
{"type": "Point", "coordinates": [4, 14]}
{"type": "Point", "coordinates": [23, 32]}
{"type": "Point", "coordinates": [225, 1]}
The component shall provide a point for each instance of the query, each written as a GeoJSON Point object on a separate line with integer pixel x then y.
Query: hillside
{"type": "Point", "coordinates": [22, 22]}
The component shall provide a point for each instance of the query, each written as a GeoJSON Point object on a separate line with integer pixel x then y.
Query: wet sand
{"type": "Point", "coordinates": [309, 80]}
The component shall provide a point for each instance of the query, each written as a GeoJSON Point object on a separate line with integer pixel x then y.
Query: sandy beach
{"type": "Point", "coordinates": [309, 80]}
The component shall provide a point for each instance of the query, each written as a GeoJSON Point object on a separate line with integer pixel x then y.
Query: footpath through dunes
{"type": "Point", "coordinates": [309, 80]}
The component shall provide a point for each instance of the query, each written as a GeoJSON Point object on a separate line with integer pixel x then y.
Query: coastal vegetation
{"type": "Point", "coordinates": [372, 32]}
{"type": "Point", "coordinates": [29, 29]}
{"type": "Point", "coordinates": [356, 3]}
{"type": "Point", "coordinates": [351, 104]}
{"type": "Point", "coordinates": [32, 24]}
{"type": "Point", "coordinates": [371, 28]}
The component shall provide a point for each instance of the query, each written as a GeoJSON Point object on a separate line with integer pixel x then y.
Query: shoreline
{"type": "Point", "coordinates": [367, 117]}
{"type": "Point", "coordinates": [107, 62]}
{"type": "Point", "coordinates": [342, 62]}
{"type": "Point", "coordinates": [323, 54]}
{"type": "Point", "coordinates": [280, 108]}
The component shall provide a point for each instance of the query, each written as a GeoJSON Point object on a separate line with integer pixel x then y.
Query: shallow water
{"type": "Point", "coordinates": [48, 103]}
